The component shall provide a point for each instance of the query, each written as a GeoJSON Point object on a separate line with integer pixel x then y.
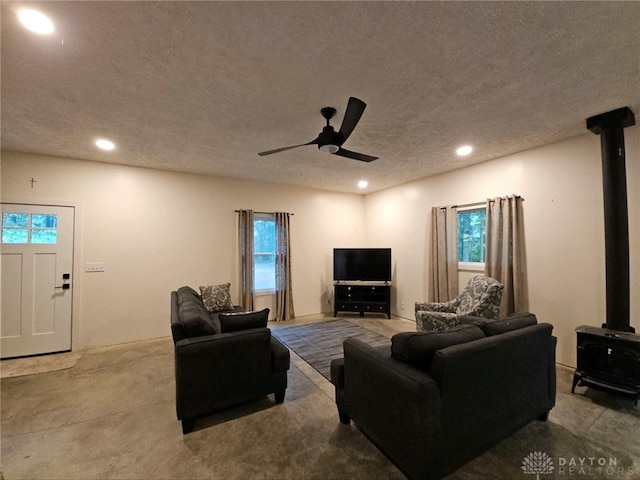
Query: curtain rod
{"type": "Point", "coordinates": [266, 212]}
{"type": "Point", "coordinates": [476, 204]}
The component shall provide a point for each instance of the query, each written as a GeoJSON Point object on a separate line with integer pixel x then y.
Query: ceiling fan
{"type": "Point", "coordinates": [331, 141]}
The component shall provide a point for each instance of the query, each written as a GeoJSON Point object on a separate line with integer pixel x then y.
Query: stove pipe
{"type": "Point", "coordinates": [610, 127]}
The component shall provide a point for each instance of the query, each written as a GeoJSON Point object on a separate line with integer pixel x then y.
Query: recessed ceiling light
{"type": "Point", "coordinates": [363, 184]}
{"type": "Point", "coordinates": [35, 21]}
{"type": "Point", "coordinates": [464, 150]}
{"type": "Point", "coordinates": [105, 144]}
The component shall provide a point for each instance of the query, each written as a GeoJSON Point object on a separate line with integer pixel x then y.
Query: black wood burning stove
{"type": "Point", "coordinates": [609, 357]}
{"type": "Point", "coordinates": [608, 360]}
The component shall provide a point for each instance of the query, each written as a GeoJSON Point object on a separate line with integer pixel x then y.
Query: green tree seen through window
{"type": "Point", "coordinates": [472, 234]}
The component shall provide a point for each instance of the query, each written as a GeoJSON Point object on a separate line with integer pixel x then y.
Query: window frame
{"type": "Point", "coordinates": [257, 218]}
{"type": "Point", "coordinates": [472, 266]}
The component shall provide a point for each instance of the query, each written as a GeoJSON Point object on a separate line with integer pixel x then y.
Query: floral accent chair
{"type": "Point", "coordinates": [480, 298]}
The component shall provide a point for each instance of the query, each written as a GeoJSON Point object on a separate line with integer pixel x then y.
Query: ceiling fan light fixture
{"type": "Point", "coordinates": [330, 141]}
{"type": "Point", "coordinates": [329, 148]}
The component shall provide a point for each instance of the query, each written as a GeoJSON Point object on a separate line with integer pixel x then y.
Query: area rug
{"type": "Point", "coordinates": [319, 343]}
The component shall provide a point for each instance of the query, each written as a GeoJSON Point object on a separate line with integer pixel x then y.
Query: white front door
{"type": "Point", "coordinates": [37, 266]}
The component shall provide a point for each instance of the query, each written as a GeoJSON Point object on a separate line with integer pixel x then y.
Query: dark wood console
{"type": "Point", "coordinates": [362, 298]}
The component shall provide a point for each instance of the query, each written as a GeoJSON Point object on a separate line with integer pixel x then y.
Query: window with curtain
{"type": "Point", "coordinates": [487, 238]}
{"type": "Point", "coordinates": [265, 259]}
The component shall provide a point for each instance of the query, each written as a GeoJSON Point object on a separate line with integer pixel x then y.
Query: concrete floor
{"type": "Point", "coordinates": [112, 415]}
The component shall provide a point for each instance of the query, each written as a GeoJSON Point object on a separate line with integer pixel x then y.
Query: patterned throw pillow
{"type": "Point", "coordinates": [216, 298]}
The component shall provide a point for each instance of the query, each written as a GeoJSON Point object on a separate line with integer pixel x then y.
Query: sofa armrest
{"type": "Point", "coordinates": [280, 356]}
{"type": "Point", "coordinates": [552, 371]}
{"type": "Point", "coordinates": [337, 372]}
{"type": "Point", "coordinates": [435, 321]}
{"type": "Point", "coordinates": [177, 332]}
{"type": "Point", "coordinates": [449, 306]}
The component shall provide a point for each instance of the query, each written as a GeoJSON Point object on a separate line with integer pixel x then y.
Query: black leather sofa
{"type": "Point", "coordinates": [436, 400]}
{"type": "Point", "coordinates": [222, 358]}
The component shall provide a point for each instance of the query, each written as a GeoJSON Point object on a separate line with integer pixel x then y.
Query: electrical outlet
{"type": "Point", "coordinates": [94, 267]}
{"type": "Point", "coordinates": [401, 305]}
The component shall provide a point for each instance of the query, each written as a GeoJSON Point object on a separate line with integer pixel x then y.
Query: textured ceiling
{"type": "Point", "coordinates": [202, 87]}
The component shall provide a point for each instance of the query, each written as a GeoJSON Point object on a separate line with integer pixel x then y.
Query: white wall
{"type": "Point", "coordinates": [158, 230]}
{"type": "Point", "coordinates": [564, 228]}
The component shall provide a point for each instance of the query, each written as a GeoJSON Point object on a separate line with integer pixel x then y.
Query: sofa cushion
{"type": "Point", "coordinates": [195, 320]}
{"type": "Point", "coordinates": [187, 294]}
{"type": "Point", "coordinates": [513, 322]}
{"type": "Point", "coordinates": [418, 348]}
{"type": "Point", "coordinates": [496, 327]}
{"type": "Point", "coordinates": [216, 298]}
{"type": "Point", "coordinates": [215, 316]}
{"type": "Point", "coordinates": [233, 322]}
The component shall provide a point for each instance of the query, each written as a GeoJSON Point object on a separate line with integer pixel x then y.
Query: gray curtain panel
{"type": "Point", "coordinates": [443, 264]}
{"type": "Point", "coordinates": [284, 293]}
{"type": "Point", "coordinates": [506, 259]}
{"type": "Point", "coordinates": [245, 242]}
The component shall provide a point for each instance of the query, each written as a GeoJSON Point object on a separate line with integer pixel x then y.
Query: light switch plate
{"type": "Point", "coordinates": [94, 267]}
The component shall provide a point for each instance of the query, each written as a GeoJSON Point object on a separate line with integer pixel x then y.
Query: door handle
{"type": "Point", "coordinates": [65, 285]}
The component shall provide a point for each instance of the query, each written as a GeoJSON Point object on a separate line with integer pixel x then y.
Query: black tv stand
{"type": "Point", "coordinates": [362, 298]}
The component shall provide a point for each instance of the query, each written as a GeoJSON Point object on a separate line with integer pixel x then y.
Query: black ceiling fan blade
{"type": "Point", "coordinates": [355, 155]}
{"type": "Point", "coordinates": [277, 150]}
{"type": "Point", "coordinates": [355, 109]}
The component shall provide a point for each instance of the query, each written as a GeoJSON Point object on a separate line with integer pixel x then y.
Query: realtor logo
{"type": "Point", "coordinates": [537, 463]}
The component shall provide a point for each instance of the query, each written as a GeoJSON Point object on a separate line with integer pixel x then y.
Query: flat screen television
{"type": "Point", "coordinates": [365, 264]}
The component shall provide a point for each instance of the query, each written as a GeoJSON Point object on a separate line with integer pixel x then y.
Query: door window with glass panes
{"type": "Point", "coordinates": [21, 228]}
